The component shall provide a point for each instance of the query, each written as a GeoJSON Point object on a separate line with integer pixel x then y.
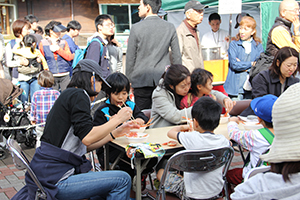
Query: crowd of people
{"type": "Point", "coordinates": [165, 71]}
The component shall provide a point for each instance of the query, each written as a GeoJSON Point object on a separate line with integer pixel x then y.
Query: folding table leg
{"type": "Point", "coordinates": [138, 194]}
{"type": "Point", "coordinates": [106, 157]}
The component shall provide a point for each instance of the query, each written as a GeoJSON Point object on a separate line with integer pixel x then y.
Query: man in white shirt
{"type": "Point", "coordinates": [216, 37]}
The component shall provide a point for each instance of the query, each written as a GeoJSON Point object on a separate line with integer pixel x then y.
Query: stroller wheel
{"type": "Point", "coordinates": [2, 153]}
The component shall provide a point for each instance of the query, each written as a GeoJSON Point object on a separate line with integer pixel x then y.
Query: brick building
{"type": "Point", "coordinates": [124, 13]}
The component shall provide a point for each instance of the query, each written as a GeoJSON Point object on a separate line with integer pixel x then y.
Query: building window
{"type": "Point", "coordinates": [124, 15]}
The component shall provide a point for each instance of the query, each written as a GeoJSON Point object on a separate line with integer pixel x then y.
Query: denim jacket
{"type": "Point", "coordinates": [238, 69]}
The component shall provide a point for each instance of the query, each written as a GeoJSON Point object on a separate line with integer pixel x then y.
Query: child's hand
{"type": "Point", "coordinates": [234, 119]}
{"type": "Point", "coordinates": [33, 122]}
{"type": "Point", "coordinates": [125, 129]}
{"type": "Point", "coordinates": [185, 128]}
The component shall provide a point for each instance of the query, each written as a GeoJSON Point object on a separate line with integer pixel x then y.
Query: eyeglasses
{"type": "Point", "coordinates": [109, 25]}
{"type": "Point", "coordinates": [296, 11]}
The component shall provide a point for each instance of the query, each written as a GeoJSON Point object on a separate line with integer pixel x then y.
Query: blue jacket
{"type": "Point", "coordinates": [73, 47]}
{"type": "Point", "coordinates": [237, 69]}
{"type": "Point", "coordinates": [49, 164]}
{"type": "Point", "coordinates": [55, 66]}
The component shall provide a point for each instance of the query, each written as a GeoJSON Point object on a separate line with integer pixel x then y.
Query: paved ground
{"type": "Point", "coordinates": [12, 179]}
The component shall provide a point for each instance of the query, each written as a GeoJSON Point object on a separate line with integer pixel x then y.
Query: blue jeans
{"type": "Point", "coordinates": [110, 185]}
{"type": "Point", "coordinates": [31, 85]}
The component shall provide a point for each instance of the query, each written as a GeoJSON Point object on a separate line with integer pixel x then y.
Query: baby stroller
{"type": "Point", "coordinates": [14, 117]}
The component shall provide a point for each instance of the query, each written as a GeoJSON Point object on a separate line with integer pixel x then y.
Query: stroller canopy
{"type": "Point", "coordinates": [8, 91]}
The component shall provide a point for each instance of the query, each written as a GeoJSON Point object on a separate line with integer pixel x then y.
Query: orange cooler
{"type": "Point", "coordinates": [219, 68]}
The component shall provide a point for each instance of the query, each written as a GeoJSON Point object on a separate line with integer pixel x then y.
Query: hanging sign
{"type": "Point", "coordinates": [230, 6]}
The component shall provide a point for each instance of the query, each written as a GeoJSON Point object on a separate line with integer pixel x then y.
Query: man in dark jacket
{"type": "Point", "coordinates": [104, 26]}
{"type": "Point", "coordinates": [280, 34]}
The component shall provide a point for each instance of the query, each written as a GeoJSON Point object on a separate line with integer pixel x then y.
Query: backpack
{"type": "Point", "coordinates": [80, 53]}
{"type": "Point", "coordinates": [263, 63]}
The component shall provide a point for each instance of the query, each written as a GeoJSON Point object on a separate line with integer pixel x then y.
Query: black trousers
{"type": "Point", "coordinates": [143, 97]}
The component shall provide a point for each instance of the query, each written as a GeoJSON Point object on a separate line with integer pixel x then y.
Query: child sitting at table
{"type": "Point", "coordinates": [206, 117]}
{"type": "Point", "coordinates": [202, 80]}
{"type": "Point", "coordinates": [42, 101]}
{"type": "Point", "coordinates": [256, 142]}
{"type": "Point", "coordinates": [117, 98]}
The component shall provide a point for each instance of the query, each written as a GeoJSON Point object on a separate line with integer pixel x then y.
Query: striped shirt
{"type": "Point", "coordinates": [41, 103]}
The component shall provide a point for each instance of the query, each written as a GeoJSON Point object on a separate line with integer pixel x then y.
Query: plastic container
{"type": "Point", "coordinates": [141, 137]}
{"type": "Point", "coordinates": [224, 120]}
{"type": "Point", "coordinates": [140, 130]}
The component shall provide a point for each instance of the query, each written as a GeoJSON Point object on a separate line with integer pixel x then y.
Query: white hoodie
{"type": "Point", "coordinates": [266, 186]}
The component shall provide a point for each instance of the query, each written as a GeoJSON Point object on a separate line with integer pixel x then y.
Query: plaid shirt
{"type": "Point", "coordinates": [41, 103]}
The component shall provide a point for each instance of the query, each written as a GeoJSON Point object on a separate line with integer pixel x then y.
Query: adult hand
{"type": "Point", "coordinates": [234, 119]}
{"type": "Point", "coordinates": [54, 48]}
{"type": "Point", "coordinates": [139, 121]}
{"type": "Point", "coordinates": [38, 59]}
{"type": "Point", "coordinates": [296, 24]}
{"type": "Point", "coordinates": [115, 41]}
{"type": "Point", "coordinates": [24, 61]}
{"type": "Point", "coordinates": [124, 114]}
{"type": "Point", "coordinates": [124, 129]}
{"type": "Point", "coordinates": [228, 103]}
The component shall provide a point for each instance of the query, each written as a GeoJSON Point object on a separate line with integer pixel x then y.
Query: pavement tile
{"type": "Point", "coordinates": [3, 182]}
{"type": "Point", "coordinates": [3, 196]}
{"type": "Point", "coordinates": [11, 193]}
{"type": "Point", "coordinates": [19, 173]}
{"type": "Point", "coordinates": [19, 186]}
{"type": "Point", "coordinates": [21, 177]}
{"type": "Point", "coordinates": [12, 178]}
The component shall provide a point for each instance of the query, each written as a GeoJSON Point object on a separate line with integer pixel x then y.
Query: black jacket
{"type": "Point", "coordinates": [271, 48]}
{"type": "Point", "coordinates": [265, 83]}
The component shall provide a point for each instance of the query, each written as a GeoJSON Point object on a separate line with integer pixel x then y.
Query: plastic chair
{"type": "Point", "coordinates": [195, 161]}
{"type": "Point", "coordinates": [21, 162]}
{"type": "Point", "coordinates": [255, 171]}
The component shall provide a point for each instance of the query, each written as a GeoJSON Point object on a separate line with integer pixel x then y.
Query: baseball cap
{"type": "Point", "coordinates": [193, 4]}
{"type": "Point", "coordinates": [262, 106]}
{"type": "Point", "coordinates": [161, 12]}
{"type": "Point", "coordinates": [59, 28]}
{"type": "Point", "coordinates": [88, 65]}
{"type": "Point", "coordinates": [239, 18]}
